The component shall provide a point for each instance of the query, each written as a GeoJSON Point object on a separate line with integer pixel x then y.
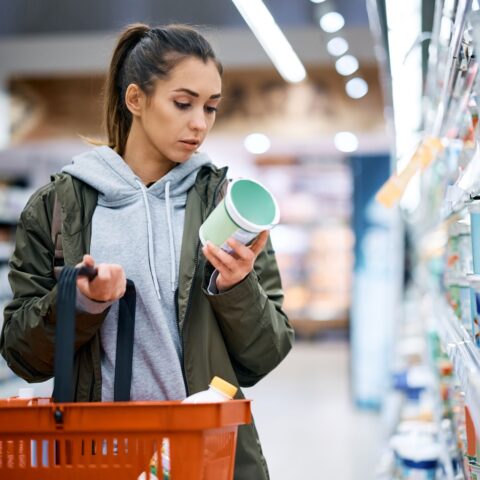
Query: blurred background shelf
{"type": "Point", "coordinates": [310, 328]}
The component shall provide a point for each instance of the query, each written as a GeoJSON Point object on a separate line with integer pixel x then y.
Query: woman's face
{"type": "Point", "coordinates": [180, 112]}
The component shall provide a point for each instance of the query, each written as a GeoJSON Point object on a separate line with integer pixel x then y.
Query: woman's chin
{"type": "Point", "coordinates": [182, 158]}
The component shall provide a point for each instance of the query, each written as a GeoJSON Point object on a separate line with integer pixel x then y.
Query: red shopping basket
{"type": "Point", "coordinates": [47, 440]}
{"type": "Point", "coordinates": [43, 439]}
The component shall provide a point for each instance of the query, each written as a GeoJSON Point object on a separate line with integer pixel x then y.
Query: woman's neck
{"type": "Point", "coordinates": [143, 158]}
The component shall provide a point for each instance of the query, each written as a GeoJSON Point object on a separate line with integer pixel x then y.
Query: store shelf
{"type": "Point", "coordinates": [444, 456]}
{"type": "Point", "coordinates": [463, 353]}
{"type": "Point", "coordinates": [314, 243]}
{"type": "Point", "coordinates": [309, 328]}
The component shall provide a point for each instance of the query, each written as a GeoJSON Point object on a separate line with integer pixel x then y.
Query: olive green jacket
{"type": "Point", "coordinates": [239, 335]}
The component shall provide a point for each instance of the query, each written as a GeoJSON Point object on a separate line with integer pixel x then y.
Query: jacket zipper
{"type": "Point", "coordinates": [180, 330]}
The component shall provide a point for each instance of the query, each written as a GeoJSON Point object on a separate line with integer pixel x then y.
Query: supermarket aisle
{"type": "Point", "coordinates": [308, 427]}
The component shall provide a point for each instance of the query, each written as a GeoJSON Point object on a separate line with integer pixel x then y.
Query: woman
{"type": "Point", "coordinates": [133, 209]}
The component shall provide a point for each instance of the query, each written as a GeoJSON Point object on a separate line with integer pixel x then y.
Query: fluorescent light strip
{"type": "Point", "coordinates": [404, 28]}
{"type": "Point", "coordinates": [260, 20]}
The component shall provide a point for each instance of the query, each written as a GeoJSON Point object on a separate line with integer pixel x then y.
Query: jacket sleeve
{"type": "Point", "coordinates": [28, 335]}
{"type": "Point", "coordinates": [257, 333]}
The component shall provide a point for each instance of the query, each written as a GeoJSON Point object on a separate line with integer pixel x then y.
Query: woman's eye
{"type": "Point", "coordinates": [211, 109]}
{"type": "Point", "coordinates": [180, 105]}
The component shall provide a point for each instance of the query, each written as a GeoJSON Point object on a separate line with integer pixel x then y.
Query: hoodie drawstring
{"type": "Point", "coordinates": [170, 236]}
{"type": "Point", "coordinates": [151, 259]}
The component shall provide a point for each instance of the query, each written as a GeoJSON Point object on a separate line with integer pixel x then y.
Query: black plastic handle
{"type": "Point", "coordinates": [65, 336]}
{"type": "Point", "coordinates": [89, 272]}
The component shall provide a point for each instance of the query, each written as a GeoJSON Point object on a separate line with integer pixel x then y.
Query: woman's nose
{"type": "Point", "coordinates": [198, 121]}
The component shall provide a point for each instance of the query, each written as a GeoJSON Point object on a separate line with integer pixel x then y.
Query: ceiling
{"type": "Point", "coordinates": [28, 17]}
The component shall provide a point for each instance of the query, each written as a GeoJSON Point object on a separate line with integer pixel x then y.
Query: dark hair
{"type": "Point", "coordinates": [141, 56]}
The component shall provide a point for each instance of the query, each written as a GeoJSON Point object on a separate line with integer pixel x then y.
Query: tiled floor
{"type": "Point", "coordinates": [308, 426]}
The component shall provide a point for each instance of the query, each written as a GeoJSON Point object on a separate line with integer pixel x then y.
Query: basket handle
{"type": "Point", "coordinates": [65, 336]}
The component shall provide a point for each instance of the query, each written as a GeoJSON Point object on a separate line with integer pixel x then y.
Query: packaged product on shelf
{"type": "Point", "coordinates": [472, 445]}
{"type": "Point", "coordinates": [461, 297]}
{"type": "Point", "coordinates": [453, 252]}
{"type": "Point", "coordinates": [461, 230]}
{"type": "Point", "coordinates": [451, 445]}
{"type": "Point", "coordinates": [474, 210]}
{"type": "Point", "coordinates": [474, 328]}
{"type": "Point", "coordinates": [474, 281]}
{"type": "Point", "coordinates": [414, 382]}
{"type": "Point", "coordinates": [453, 296]}
{"type": "Point", "coordinates": [417, 455]}
{"type": "Point", "coordinates": [465, 306]}
{"type": "Point", "coordinates": [476, 322]}
{"type": "Point", "coordinates": [474, 470]}
{"type": "Point", "coordinates": [470, 178]}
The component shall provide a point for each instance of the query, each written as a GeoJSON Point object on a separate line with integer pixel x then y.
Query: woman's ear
{"type": "Point", "coordinates": [134, 99]}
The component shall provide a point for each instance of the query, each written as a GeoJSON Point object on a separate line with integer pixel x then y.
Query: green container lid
{"type": "Point", "coordinates": [251, 205]}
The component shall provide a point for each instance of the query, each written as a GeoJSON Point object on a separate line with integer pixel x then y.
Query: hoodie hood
{"type": "Point", "coordinates": [105, 171]}
{"type": "Point", "coordinates": [118, 187]}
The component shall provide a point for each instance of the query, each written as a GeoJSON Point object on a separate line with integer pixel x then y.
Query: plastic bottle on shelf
{"type": "Point", "coordinates": [417, 455]}
{"type": "Point", "coordinates": [219, 391]}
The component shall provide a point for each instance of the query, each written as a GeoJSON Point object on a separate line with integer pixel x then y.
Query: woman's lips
{"type": "Point", "coordinates": [189, 145]}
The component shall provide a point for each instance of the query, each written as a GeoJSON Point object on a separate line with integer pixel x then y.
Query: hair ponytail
{"type": "Point", "coordinates": [117, 118]}
{"type": "Point", "coordinates": [141, 56]}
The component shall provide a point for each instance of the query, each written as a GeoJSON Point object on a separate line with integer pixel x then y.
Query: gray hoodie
{"type": "Point", "coordinates": [141, 229]}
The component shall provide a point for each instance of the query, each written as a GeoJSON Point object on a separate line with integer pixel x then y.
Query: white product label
{"type": "Point", "coordinates": [241, 236]}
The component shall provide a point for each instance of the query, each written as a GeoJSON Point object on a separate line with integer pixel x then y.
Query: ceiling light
{"type": "Point", "coordinates": [346, 65]}
{"type": "Point", "coordinates": [257, 143]}
{"type": "Point", "coordinates": [356, 87]}
{"type": "Point", "coordinates": [317, 1]}
{"type": "Point", "coordinates": [332, 22]}
{"type": "Point", "coordinates": [337, 46]}
{"type": "Point", "coordinates": [260, 20]}
{"type": "Point", "coordinates": [404, 28]}
{"type": "Point", "coordinates": [346, 142]}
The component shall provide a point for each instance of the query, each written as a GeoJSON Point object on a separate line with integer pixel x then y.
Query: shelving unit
{"type": "Point", "coordinates": [314, 243]}
{"type": "Point", "coordinates": [463, 353]}
{"type": "Point", "coordinates": [446, 167]}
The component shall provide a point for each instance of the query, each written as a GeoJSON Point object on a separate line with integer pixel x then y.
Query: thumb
{"type": "Point", "coordinates": [88, 261]}
{"type": "Point", "coordinates": [260, 242]}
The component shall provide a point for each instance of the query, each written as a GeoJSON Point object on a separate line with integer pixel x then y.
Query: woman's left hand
{"type": "Point", "coordinates": [234, 267]}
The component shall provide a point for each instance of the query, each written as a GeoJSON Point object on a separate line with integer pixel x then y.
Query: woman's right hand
{"type": "Point", "coordinates": [109, 284]}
